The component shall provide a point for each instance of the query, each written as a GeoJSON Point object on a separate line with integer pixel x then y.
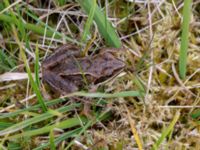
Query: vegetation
{"type": "Point", "coordinates": [152, 104]}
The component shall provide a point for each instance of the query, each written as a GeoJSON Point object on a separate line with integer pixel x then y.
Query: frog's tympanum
{"type": "Point", "coordinates": [66, 70]}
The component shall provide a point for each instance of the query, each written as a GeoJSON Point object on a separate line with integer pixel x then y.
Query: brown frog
{"type": "Point", "coordinates": [68, 71]}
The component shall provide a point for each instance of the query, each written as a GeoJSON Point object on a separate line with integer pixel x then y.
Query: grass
{"type": "Point", "coordinates": [147, 106]}
{"type": "Point", "coordinates": [184, 38]}
{"type": "Point", "coordinates": [89, 20]}
{"type": "Point", "coordinates": [31, 121]}
{"type": "Point", "coordinates": [6, 62]}
{"type": "Point", "coordinates": [166, 132]}
{"type": "Point", "coordinates": [107, 95]}
{"type": "Point", "coordinates": [32, 27]}
{"type": "Point", "coordinates": [104, 26]}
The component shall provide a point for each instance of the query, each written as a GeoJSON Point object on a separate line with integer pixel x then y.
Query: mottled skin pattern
{"type": "Point", "coordinates": [67, 71]}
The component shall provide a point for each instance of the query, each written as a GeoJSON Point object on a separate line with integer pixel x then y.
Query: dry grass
{"type": "Point", "coordinates": [151, 34]}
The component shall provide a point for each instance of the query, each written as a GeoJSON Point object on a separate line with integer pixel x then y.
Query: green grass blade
{"type": "Point", "coordinates": [9, 61]}
{"type": "Point", "coordinates": [23, 55]}
{"type": "Point", "coordinates": [33, 83]}
{"type": "Point", "coordinates": [38, 29]}
{"type": "Point", "coordinates": [4, 125]}
{"type": "Point", "coordinates": [84, 128]}
{"type": "Point", "coordinates": [50, 30]}
{"type": "Point", "coordinates": [6, 63]}
{"type": "Point", "coordinates": [72, 122]}
{"type": "Point", "coordinates": [166, 132]}
{"type": "Point", "coordinates": [36, 107]}
{"type": "Point", "coordinates": [76, 132]}
{"type": "Point", "coordinates": [14, 146]}
{"type": "Point", "coordinates": [61, 138]}
{"type": "Point", "coordinates": [184, 38]}
{"type": "Point", "coordinates": [52, 140]}
{"type": "Point", "coordinates": [104, 26]}
{"type": "Point", "coordinates": [32, 27]}
{"type": "Point", "coordinates": [36, 69]}
{"type": "Point", "coordinates": [89, 21]}
{"type": "Point", "coordinates": [20, 25]}
{"type": "Point", "coordinates": [196, 114]}
{"type": "Point", "coordinates": [61, 2]}
{"type": "Point", "coordinates": [99, 117]}
{"type": "Point", "coordinates": [107, 95]}
{"type": "Point", "coordinates": [33, 120]}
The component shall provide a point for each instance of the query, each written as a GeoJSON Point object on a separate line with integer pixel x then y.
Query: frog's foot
{"type": "Point", "coordinates": [93, 88]}
{"type": "Point", "coordinates": [87, 110]}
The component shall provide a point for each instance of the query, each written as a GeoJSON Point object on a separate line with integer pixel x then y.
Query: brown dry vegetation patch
{"type": "Point", "coordinates": [151, 34]}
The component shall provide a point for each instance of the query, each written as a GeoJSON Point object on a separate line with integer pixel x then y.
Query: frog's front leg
{"type": "Point", "coordinates": [63, 86]}
{"type": "Point", "coordinates": [87, 109]}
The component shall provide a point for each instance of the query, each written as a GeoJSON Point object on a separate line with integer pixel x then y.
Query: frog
{"type": "Point", "coordinates": [67, 70]}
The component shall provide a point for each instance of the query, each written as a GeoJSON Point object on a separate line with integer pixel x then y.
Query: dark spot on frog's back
{"type": "Point", "coordinates": [85, 64]}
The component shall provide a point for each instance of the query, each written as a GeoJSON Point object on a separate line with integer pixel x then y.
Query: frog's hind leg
{"type": "Point", "coordinates": [87, 109]}
{"type": "Point", "coordinates": [63, 86]}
